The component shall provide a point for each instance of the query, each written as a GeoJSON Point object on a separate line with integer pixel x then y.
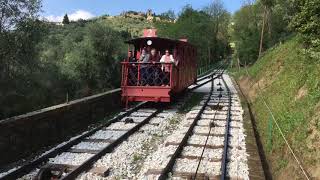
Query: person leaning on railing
{"type": "Point", "coordinates": [144, 58]}
{"type": "Point", "coordinates": [154, 70]}
{"type": "Point", "coordinates": [167, 58]}
{"type": "Point", "coordinates": [133, 71]}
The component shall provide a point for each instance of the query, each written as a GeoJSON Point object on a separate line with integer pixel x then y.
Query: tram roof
{"type": "Point", "coordinates": [138, 41]}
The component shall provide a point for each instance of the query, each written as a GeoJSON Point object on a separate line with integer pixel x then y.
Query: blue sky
{"type": "Point", "coordinates": [55, 9]}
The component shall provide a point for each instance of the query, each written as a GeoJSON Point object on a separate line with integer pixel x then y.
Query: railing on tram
{"type": "Point", "coordinates": [147, 74]}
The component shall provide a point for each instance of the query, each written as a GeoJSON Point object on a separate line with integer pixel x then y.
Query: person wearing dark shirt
{"type": "Point", "coordinates": [133, 70]}
{"type": "Point", "coordinates": [144, 67]}
{"type": "Point", "coordinates": [154, 72]}
{"type": "Point", "coordinates": [131, 58]}
{"type": "Point", "coordinates": [154, 58]}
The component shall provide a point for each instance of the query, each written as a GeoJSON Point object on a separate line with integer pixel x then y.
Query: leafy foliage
{"type": "Point", "coordinates": [17, 11]}
{"type": "Point", "coordinates": [206, 29]}
{"type": "Point", "coordinates": [41, 63]}
{"type": "Point", "coordinates": [307, 22]}
{"type": "Point", "coordinates": [246, 33]}
{"type": "Point", "coordinates": [169, 15]}
{"type": "Point", "coordinates": [129, 27]}
{"type": "Point", "coordinates": [19, 34]}
{"type": "Point", "coordinates": [247, 24]}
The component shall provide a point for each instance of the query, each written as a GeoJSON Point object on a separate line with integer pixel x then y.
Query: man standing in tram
{"type": "Point", "coordinates": [154, 70]}
{"type": "Point", "coordinates": [144, 58]}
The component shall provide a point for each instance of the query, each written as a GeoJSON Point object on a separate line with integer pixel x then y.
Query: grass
{"type": "Point", "coordinates": [136, 158]}
{"type": "Point", "coordinates": [174, 120]}
{"type": "Point", "coordinates": [282, 72]}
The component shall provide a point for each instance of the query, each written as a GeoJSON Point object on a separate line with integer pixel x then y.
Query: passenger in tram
{"type": "Point", "coordinates": [154, 56]}
{"type": "Point", "coordinates": [167, 58]}
{"type": "Point", "coordinates": [144, 58]}
{"type": "Point", "coordinates": [131, 58]}
{"type": "Point", "coordinates": [154, 70]}
{"type": "Point", "coordinates": [133, 70]}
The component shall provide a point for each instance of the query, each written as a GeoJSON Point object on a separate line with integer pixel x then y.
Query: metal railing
{"type": "Point", "coordinates": [203, 70]}
{"type": "Point", "coordinates": [147, 74]}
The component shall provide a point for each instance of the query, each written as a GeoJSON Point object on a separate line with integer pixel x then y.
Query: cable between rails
{"type": "Point", "coordinates": [209, 133]}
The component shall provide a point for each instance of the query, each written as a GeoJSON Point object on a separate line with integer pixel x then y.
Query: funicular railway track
{"type": "Point", "coordinates": [208, 78]}
{"type": "Point", "coordinates": [107, 136]}
{"type": "Point", "coordinates": [219, 100]}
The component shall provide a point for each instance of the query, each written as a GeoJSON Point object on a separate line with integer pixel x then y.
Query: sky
{"type": "Point", "coordinates": [54, 10]}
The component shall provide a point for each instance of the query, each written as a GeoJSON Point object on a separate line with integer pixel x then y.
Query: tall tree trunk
{"type": "Point", "coordinates": [262, 30]}
{"type": "Point", "coordinates": [269, 22]}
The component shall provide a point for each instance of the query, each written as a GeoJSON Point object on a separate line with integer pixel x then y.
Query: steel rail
{"type": "Point", "coordinates": [226, 136]}
{"type": "Point", "coordinates": [206, 82]}
{"type": "Point", "coordinates": [210, 74]}
{"type": "Point", "coordinates": [88, 163]}
{"type": "Point", "coordinates": [29, 166]}
{"type": "Point", "coordinates": [170, 164]}
{"type": "Point", "coordinates": [207, 138]}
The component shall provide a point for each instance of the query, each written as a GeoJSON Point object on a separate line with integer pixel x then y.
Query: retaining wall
{"type": "Point", "coordinates": [22, 135]}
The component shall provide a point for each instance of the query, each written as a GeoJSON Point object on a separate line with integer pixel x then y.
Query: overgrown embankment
{"type": "Point", "coordinates": [289, 81]}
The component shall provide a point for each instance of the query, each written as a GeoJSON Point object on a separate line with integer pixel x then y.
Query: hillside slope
{"type": "Point", "coordinates": [133, 26]}
{"type": "Point", "coordinates": [290, 83]}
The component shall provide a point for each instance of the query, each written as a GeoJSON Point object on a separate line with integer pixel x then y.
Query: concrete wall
{"type": "Point", "coordinates": [22, 135]}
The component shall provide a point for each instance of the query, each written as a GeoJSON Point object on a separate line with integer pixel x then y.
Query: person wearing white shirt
{"type": "Point", "coordinates": [167, 58]}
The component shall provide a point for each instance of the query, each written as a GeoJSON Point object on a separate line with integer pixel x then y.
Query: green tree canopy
{"type": "Point", "coordinates": [307, 22]}
{"type": "Point", "coordinates": [65, 19]}
{"type": "Point", "coordinates": [16, 11]}
{"type": "Point", "coordinates": [206, 29]}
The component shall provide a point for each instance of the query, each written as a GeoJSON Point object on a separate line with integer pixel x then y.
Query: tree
{"type": "Point", "coordinates": [15, 11]}
{"type": "Point", "coordinates": [307, 22]}
{"type": "Point", "coordinates": [219, 21]}
{"type": "Point", "coordinates": [267, 7]}
{"type": "Point", "coordinates": [205, 29]}
{"type": "Point", "coordinates": [260, 25]}
{"type": "Point", "coordinates": [65, 19]}
{"type": "Point", "coordinates": [94, 60]}
{"type": "Point", "coordinates": [246, 33]}
{"type": "Point", "coordinates": [170, 15]}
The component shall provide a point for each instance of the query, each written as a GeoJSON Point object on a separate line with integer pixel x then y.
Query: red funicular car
{"type": "Point", "coordinates": [157, 68]}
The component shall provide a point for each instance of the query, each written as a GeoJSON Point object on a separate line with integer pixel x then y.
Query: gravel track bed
{"type": "Point", "coordinates": [121, 126]}
{"type": "Point", "coordinates": [208, 153]}
{"type": "Point", "coordinates": [30, 176]}
{"type": "Point", "coordinates": [126, 160]}
{"type": "Point", "coordinates": [149, 110]}
{"type": "Point", "coordinates": [135, 119]}
{"type": "Point", "coordinates": [103, 134]}
{"type": "Point", "coordinates": [74, 159]}
{"type": "Point", "coordinates": [237, 165]}
{"type": "Point", "coordinates": [90, 145]}
{"type": "Point", "coordinates": [142, 113]}
{"type": "Point", "coordinates": [190, 166]}
{"type": "Point", "coordinates": [212, 140]}
{"type": "Point", "coordinates": [214, 130]}
{"type": "Point", "coordinates": [159, 159]}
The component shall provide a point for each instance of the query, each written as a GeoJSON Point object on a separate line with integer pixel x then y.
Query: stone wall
{"type": "Point", "coordinates": [22, 135]}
